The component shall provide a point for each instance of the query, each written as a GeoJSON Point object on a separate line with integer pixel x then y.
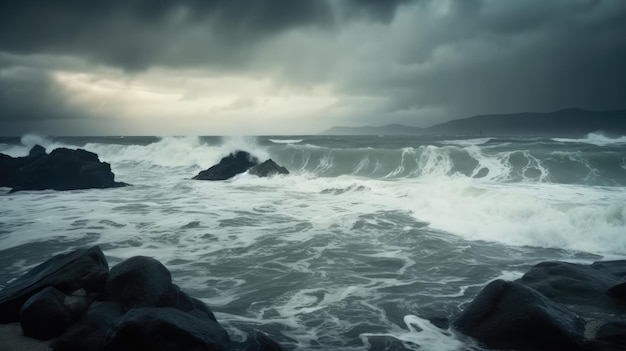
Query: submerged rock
{"type": "Point", "coordinates": [556, 305]}
{"type": "Point", "coordinates": [62, 169]}
{"type": "Point", "coordinates": [229, 166]}
{"type": "Point", "coordinates": [268, 169]}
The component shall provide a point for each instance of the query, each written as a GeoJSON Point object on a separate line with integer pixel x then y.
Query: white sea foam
{"type": "Point", "coordinates": [594, 139]}
{"type": "Point", "coordinates": [30, 140]}
{"type": "Point", "coordinates": [326, 262]}
{"type": "Point", "coordinates": [27, 143]}
{"type": "Point", "coordinates": [420, 333]}
{"type": "Point", "coordinates": [543, 215]}
{"type": "Point", "coordinates": [178, 151]}
{"type": "Point", "coordinates": [467, 142]}
{"type": "Point", "coordinates": [286, 141]}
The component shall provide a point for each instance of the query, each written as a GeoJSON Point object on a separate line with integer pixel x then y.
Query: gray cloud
{"type": "Point", "coordinates": [27, 94]}
{"type": "Point", "coordinates": [414, 62]}
{"type": "Point", "coordinates": [497, 56]}
{"type": "Point", "coordinates": [136, 34]}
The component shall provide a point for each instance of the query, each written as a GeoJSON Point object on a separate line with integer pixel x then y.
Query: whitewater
{"type": "Point", "coordinates": [371, 243]}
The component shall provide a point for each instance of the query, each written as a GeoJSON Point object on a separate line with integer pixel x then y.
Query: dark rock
{"type": "Point", "coordinates": [267, 169]}
{"type": "Point", "coordinates": [37, 150]}
{"type": "Point", "coordinates": [229, 167]}
{"type": "Point", "coordinates": [44, 315]}
{"type": "Point", "coordinates": [510, 315]}
{"type": "Point", "coordinates": [192, 305]}
{"type": "Point", "coordinates": [258, 341]}
{"type": "Point", "coordinates": [77, 302]}
{"type": "Point", "coordinates": [557, 297]}
{"type": "Point", "coordinates": [161, 329]}
{"type": "Point", "coordinates": [618, 291]}
{"type": "Point", "coordinates": [7, 167]}
{"type": "Point", "coordinates": [141, 282]}
{"type": "Point", "coordinates": [610, 336]}
{"type": "Point", "coordinates": [582, 287]}
{"type": "Point", "coordinates": [89, 332]}
{"type": "Point", "coordinates": [62, 169]}
{"type": "Point", "coordinates": [81, 269]}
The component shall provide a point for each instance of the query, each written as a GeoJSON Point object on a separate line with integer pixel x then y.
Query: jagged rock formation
{"type": "Point", "coordinates": [62, 169]}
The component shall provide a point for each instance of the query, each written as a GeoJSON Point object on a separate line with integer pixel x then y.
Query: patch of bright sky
{"type": "Point", "coordinates": [192, 102]}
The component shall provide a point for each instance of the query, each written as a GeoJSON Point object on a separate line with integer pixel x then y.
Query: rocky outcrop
{"type": "Point", "coordinates": [554, 306]}
{"type": "Point", "coordinates": [62, 169]}
{"type": "Point", "coordinates": [229, 166]}
{"type": "Point", "coordinates": [268, 169]}
{"type": "Point", "coordinates": [135, 306]}
{"type": "Point", "coordinates": [240, 162]}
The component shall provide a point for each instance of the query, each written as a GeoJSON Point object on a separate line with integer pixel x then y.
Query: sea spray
{"type": "Point", "coordinates": [369, 242]}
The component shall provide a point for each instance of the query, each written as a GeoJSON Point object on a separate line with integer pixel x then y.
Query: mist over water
{"type": "Point", "coordinates": [371, 243]}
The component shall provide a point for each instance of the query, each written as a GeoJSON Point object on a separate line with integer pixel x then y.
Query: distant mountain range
{"type": "Point", "coordinates": [568, 122]}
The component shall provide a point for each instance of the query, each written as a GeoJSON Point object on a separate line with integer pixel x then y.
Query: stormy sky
{"type": "Point", "coordinates": [219, 67]}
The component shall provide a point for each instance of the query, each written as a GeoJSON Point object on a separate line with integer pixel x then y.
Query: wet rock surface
{"type": "Point", "coordinates": [61, 169]}
{"type": "Point", "coordinates": [555, 305]}
{"type": "Point", "coordinates": [240, 162]}
{"type": "Point", "coordinates": [74, 299]}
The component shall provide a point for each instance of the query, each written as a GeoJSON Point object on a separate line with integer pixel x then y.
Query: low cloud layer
{"type": "Point", "coordinates": [302, 66]}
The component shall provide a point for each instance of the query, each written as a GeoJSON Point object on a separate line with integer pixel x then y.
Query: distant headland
{"type": "Point", "coordinates": [570, 122]}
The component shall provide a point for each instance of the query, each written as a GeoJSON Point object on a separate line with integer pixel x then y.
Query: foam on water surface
{"type": "Point", "coordinates": [337, 255]}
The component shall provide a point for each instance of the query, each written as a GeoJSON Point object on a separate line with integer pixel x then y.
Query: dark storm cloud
{"type": "Point", "coordinates": [135, 34]}
{"type": "Point", "coordinates": [500, 56]}
{"type": "Point", "coordinates": [30, 94]}
{"type": "Point", "coordinates": [402, 59]}
{"type": "Point", "coordinates": [382, 10]}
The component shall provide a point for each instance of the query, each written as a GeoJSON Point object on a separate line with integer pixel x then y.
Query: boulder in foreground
{"type": "Point", "coordinates": [62, 169]}
{"type": "Point", "coordinates": [81, 269]}
{"type": "Point", "coordinates": [554, 306]}
{"type": "Point", "coordinates": [135, 306]}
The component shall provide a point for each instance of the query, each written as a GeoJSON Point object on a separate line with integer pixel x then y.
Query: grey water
{"type": "Point", "coordinates": [371, 243]}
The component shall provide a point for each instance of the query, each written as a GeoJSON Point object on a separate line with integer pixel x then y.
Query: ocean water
{"type": "Point", "coordinates": [371, 243]}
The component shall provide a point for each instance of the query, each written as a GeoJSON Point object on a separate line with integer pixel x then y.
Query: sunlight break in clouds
{"type": "Point", "coordinates": [180, 103]}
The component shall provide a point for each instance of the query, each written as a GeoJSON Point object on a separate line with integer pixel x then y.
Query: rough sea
{"type": "Point", "coordinates": [371, 243]}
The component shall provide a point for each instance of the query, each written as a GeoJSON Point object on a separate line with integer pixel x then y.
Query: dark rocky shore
{"type": "Point", "coordinates": [75, 300]}
{"type": "Point", "coordinates": [554, 306]}
{"type": "Point", "coordinates": [61, 169]}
